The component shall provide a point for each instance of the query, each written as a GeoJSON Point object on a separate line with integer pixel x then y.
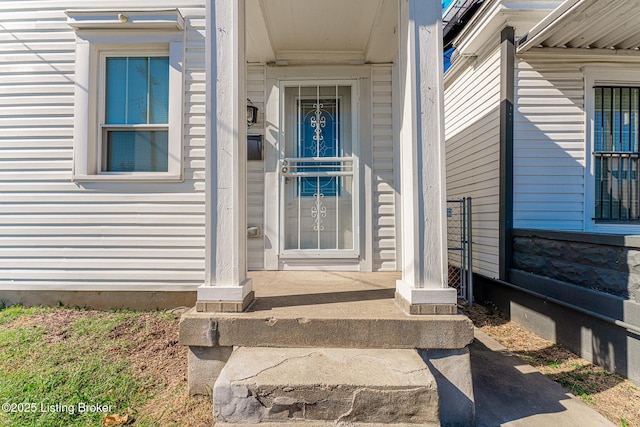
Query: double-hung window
{"type": "Point", "coordinates": [135, 130]}
{"type": "Point", "coordinates": [129, 95]}
{"type": "Point", "coordinates": [616, 132]}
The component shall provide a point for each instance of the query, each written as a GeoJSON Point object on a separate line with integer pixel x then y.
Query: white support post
{"type": "Point", "coordinates": [226, 286]}
{"type": "Point", "coordinates": [423, 288]}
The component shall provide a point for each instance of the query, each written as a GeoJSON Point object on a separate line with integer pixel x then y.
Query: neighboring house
{"type": "Point", "coordinates": [127, 177]}
{"type": "Point", "coordinates": [542, 108]}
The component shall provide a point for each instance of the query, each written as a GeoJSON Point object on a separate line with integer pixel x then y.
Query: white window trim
{"type": "Point", "coordinates": [91, 46]}
{"type": "Point", "coordinates": [594, 76]}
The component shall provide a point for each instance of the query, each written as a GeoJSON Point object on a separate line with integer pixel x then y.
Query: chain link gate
{"type": "Point", "coordinates": [459, 248]}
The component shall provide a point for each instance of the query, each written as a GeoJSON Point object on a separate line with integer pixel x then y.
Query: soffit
{"type": "Point", "coordinates": [588, 24]}
{"type": "Point", "coordinates": [321, 31]}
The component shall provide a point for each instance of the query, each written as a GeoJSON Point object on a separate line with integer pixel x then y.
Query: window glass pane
{"type": "Point", "coordinates": [116, 90]}
{"type": "Point", "coordinates": [606, 119]}
{"type": "Point", "coordinates": [138, 86]}
{"type": "Point", "coordinates": [633, 120]}
{"type": "Point", "coordinates": [159, 90]}
{"type": "Point", "coordinates": [625, 119]}
{"type": "Point", "coordinates": [137, 90]}
{"type": "Point", "coordinates": [598, 120]}
{"type": "Point", "coordinates": [615, 119]}
{"type": "Point", "coordinates": [137, 151]}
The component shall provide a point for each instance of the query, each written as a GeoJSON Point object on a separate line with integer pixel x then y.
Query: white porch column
{"type": "Point", "coordinates": [226, 286]}
{"type": "Point", "coordinates": [423, 288]}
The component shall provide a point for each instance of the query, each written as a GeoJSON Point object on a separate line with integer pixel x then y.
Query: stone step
{"type": "Point", "coordinates": [321, 424]}
{"type": "Point", "coordinates": [313, 386]}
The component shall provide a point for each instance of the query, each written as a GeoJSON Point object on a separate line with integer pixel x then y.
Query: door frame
{"type": "Point", "coordinates": [276, 79]}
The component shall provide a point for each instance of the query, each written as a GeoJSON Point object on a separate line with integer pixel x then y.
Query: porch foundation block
{"type": "Point", "coordinates": [225, 306]}
{"type": "Point", "coordinates": [205, 365]}
{"type": "Point", "coordinates": [229, 298]}
{"type": "Point", "coordinates": [438, 300]}
{"type": "Point", "coordinates": [425, 309]}
{"type": "Point", "coordinates": [319, 384]}
{"type": "Point", "coordinates": [452, 371]}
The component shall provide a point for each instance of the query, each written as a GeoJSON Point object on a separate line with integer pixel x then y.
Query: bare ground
{"type": "Point", "coordinates": [157, 353]}
{"type": "Point", "coordinates": [611, 395]}
{"type": "Point", "coordinates": [153, 350]}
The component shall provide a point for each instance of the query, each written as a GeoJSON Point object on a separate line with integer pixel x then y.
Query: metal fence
{"type": "Point", "coordinates": [459, 247]}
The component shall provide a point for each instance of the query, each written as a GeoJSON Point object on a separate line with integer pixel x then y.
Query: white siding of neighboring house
{"type": "Point", "coordinates": [549, 145]}
{"type": "Point", "coordinates": [384, 193]}
{"type": "Point", "coordinates": [56, 234]}
{"type": "Point", "coordinates": [255, 171]}
{"type": "Point", "coordinates": [472, 123]}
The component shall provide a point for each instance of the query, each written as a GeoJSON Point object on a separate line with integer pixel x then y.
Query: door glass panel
{"type": "Point", "coordinates": [318, 171]}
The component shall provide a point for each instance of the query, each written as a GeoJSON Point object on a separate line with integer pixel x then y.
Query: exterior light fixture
{"type": "Point", "coordinates": [252, 113]}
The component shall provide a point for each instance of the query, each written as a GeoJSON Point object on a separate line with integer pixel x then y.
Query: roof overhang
{"type": "Point", "coordinates": [482, 31]}
{"type": "Point", "coordinates": [587, 24]}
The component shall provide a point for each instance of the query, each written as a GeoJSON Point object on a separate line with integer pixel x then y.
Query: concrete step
{"type": "Point", "coordinates": [316, 386]}
{"type": "Point", "coordinates": [340, 325]}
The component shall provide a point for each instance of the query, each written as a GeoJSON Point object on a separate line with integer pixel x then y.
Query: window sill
{"type": "Point", "coordinates": [133, 177]}
{"type": "Point", "coordinates": [615, 228]}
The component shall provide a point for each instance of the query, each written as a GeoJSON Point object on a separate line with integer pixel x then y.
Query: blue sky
{"type": "Point", "coordinates": [446, 3]}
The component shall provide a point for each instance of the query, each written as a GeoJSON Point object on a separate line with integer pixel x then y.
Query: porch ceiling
{"type": "Point", "coordinates": [592, 24]}
{"type": "Point", "coordinates": [327, 31]}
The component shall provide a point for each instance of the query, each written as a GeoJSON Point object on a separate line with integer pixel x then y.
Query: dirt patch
{"type": "Point", "coordinates": [55, 324]}
{"type": "Point", "coordinates": [611, 395]}
{"type": "Point", "coordinates": [155, 351]}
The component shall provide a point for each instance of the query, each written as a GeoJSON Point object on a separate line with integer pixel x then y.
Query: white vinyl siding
{"type": "Point", "coordinates": [472, 123]}
{"type": "Point", "coordinates": [255, 171]}
{"type": "Point", "coordinates": [549, 145]}
{"type": "Point", "coordinates": [384, 193]}
{"type": "Point", "coordinates": [57, 234]}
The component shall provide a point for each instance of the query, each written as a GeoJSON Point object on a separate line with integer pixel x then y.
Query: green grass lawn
{"type": "Point", "coordinates": [63, 367]}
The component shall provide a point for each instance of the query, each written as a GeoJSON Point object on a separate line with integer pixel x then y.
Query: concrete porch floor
{"type": "Point", "coordinates": [327, 293]}
{"type": "Point", "coordinates": [325, 309]}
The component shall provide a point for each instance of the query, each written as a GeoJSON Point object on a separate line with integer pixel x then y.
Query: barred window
{"type": "Point", "coordinates": [616, 136]}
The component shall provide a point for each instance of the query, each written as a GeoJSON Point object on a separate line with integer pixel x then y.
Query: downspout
{"type": "Point", "coordinates": [507, 59]}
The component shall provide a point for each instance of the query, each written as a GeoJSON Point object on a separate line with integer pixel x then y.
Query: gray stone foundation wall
{"type": "Point", "coordinates": [607, 263]}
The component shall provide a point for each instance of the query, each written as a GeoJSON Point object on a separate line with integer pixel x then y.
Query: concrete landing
{"type": "Point", "coordinates": [509, 392]}
{"type": "Point", "coordinates": [281, 385]}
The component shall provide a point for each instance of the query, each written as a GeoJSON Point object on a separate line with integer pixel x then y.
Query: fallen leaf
{"type": "Point", "coordinates": [115, 420]}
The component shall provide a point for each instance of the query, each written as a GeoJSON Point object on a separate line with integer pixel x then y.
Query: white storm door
{"type": "Point", "coordinates": [319, 171]}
